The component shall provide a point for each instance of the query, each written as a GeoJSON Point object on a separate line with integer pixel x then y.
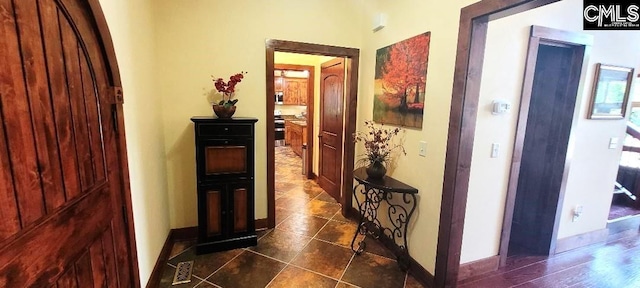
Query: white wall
{"type": "Point", "coordinates": [593, 165]}
{"type": "Point", "coordinates": [132, 28]}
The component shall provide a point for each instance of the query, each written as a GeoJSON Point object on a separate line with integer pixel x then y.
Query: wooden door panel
{"type": "Point", "coordinates": [240, 206]}
{"type": "Point", "coordinates": [214, 213]}
{"type": "Point", "coordinates": [68, 279]}
{"type": "Point", "coordinates": [40, 104]}
{"type": "Point", "coordinates": [109, 253]}
{"type": "Point", "coordinates": [9, 223]}
{"type": "Point", "coordinates": [330, 166]}
{"type": "Point", "coordinates": [74, 100]}
{"type": "Point", "coordinates": [84, 273]}
{"type": "Point", "coordinates": [17, 122]}
{"type": "Point", "coordinates": [61, 212]}
{"type": "Point", "coordinates": [50, 19]}
{"type": "Point", "coordinates": [77, 107]}
{"type": "Point", "coordinates": [93, 120]}
{"type": "Point", "coordinates": [542, 165]}
{"type": "Point", "coordinates": [333, 105]}
{"type": "Point", "coordinates": [98, 268]}
{"type": "Point", "coordinates": [55, 242]}
{"type": "Point", "coordinates": [331, 126]}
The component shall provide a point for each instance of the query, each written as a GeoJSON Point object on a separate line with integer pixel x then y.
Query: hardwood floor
{"type": "Point", "coordinates": [615, 263]}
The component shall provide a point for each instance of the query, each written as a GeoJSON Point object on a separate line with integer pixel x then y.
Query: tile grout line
{"type": "Point", "coordinates": [181, 252]}
{"type": "Point", "coordinates": [406, 276]}
{"type": "Point", "coordinates": [345, 269]}
{"type": "Point", "coordinates": [225, 264]}
{"type": "Point", "coordinates": [296, 266]}
{"type": "Point", "coordinates": [294, 257]}
{"type": "Point", "coordinates": [297, 254]}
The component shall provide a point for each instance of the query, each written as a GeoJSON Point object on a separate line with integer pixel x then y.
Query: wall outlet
{"type": "Point", "coordinates": [577, 212]}
{"type": "Point", "coordinates": [422, 149]}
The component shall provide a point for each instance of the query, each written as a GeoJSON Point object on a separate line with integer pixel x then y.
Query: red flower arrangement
{"type": "Point", "coordinates": [228, 88]}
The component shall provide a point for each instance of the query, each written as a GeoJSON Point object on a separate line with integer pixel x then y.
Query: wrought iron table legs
{"type": "Point", "coordinates": [369, 223]}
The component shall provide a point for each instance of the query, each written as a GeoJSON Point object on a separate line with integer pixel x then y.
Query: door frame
{"type": "Point", "coordinates": [580, 44]}
{"type": "Point", "coordinates": [472, 36]}
{"type": "Point", "coordinates": [118, 100]}
{"type": "Point", "coordinates": [310, 109]}
{"type": "Point", "coordinates": [353, 59]}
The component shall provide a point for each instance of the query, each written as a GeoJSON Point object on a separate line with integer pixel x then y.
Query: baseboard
{"type": "Point", "coordinates": [156, 274]}
{"type": "Point", "coordinates": [621, 225]}
{"type": "Point", "coordinates": [415, 269]}
{"type": "Point", "coordinates": [478, 267]}
{"type": "Point", "coordinates": [176, 235]}
{"type": "Point", "coordinates": [185, 233]}
{"type": "Point", "coordinates": [581, 240]}
{"type": "Point", "coordinates": [261, 223]}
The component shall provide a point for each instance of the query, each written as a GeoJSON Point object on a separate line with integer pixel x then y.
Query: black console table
{"type": "Point", "coordinates": [399, 211]}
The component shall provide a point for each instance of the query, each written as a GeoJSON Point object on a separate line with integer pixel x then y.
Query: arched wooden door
{"type": "Point", "coordinates": [63, 176]}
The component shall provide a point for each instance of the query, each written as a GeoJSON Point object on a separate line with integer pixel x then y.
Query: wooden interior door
{"type": "Point", "coordinates": [62, 184]}
{"type": "Point", "coordinates": [544, 152]}
{"type": "Point", "coordinates": [331, 126]}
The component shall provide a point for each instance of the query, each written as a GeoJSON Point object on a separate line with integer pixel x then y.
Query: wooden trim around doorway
{"type": "Point", "coordinates": [539, 36]}
{"type": "Point", "coordinates": [472, 35]}
{"type": "Point", "coordinates": [478, 267]}
{"type": "Point", "coordinates": [353, 58]}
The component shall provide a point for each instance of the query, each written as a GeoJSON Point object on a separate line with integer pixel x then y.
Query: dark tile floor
{"type": "Point", "coordinates": [308, 248]}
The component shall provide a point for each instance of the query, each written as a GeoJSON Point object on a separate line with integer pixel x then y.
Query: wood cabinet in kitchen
{"type": "Point", "coordinates": [295, 91]}
{"type": "Point", "coordinates": [298, 136]}
{"type": "Point", "coordinates": [287, 133]}
{"type": "Point", "coordinates": [295, 82]}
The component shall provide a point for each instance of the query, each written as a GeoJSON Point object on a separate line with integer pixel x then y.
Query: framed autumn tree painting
{"type": "Point", "coordinates": [400, 82]}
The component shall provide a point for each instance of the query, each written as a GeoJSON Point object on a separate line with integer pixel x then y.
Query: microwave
{"type": "Point", "coordinates": [280, 98]}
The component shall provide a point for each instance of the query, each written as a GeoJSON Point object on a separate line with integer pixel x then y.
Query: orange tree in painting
{"type": "Point", "coordinates": [405, 71]}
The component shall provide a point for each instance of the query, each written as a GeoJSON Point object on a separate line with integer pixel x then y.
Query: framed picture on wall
{"type": "Point", "coordinates": [610, 93]}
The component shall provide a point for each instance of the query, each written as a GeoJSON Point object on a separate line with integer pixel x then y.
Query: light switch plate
{"type": "Point", "coordinates": [613, 142]}
{"type": "Point", "coordinates": [495, 149]}
{"type": "Point", "coordinates": [422, 149]}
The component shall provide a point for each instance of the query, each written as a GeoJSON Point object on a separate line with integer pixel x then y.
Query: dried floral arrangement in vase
{"type": "Point", "coordinates": [378, 144]}
{"type": "Point", "coordinates": [226, 107]}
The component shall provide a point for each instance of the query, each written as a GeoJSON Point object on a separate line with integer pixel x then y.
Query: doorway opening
{"type": "Point", "coordinates": [625, 204]}
{"type": "Point", "coordinates": [309, 148]}
{"type": "Point", "coordinates": [539, 167]}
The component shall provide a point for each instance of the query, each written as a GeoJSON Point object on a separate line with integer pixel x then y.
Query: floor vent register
{"type": "Point", "coordinates": [183, 273]}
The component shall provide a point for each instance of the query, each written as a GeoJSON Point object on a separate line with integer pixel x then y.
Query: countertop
{"type": "Point", "coordinates": [302, 123]}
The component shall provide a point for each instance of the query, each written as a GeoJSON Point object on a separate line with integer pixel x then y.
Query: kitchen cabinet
{"type": "Point", "coordinates": [295, 91]}
{"type": "Point", "coordinates": [298, 136]}
{"type": "Point", "coordinates": [287, 132]}
{"type": "Point", "coordinates": [225, 183]}
{"type": "Point", "coordinates": [279, 83]}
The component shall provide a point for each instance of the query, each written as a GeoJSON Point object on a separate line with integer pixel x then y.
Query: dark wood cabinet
{"type": "Point", "coordinates": [225, 173]}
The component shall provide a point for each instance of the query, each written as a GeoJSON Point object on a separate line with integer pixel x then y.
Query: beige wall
{"type": "Point", "coordinates": [132, 28]}
{"type": "Point", "coordinates": [407, 19]}
{"type": "Point", "coordinates": [198, 38]}
{"type": "Point", "coordinates": [593, 165]}
{"type": "Point", "coordinates": [315, 61]}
